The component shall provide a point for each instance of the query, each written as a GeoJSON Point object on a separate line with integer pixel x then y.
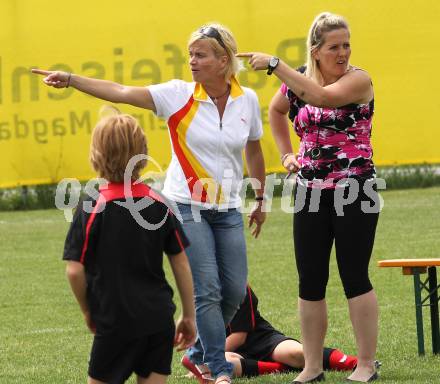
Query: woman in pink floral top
{"type": "Point", "coordinates": [342, 136]}
{"type": "Point", "coordinates": [331, 105]}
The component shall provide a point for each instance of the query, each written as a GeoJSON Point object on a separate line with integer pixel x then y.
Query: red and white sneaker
{"type": "Point", "coordinates": [200, 372]}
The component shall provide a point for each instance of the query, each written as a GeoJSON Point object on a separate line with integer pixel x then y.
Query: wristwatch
{"type": "Point", "coordinates": [273, 62]}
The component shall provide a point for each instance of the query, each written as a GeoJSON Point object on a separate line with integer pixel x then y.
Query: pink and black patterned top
{"type": "Point", "coordinates": [342, 135]}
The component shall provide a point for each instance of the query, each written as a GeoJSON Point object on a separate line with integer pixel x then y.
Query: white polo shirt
{"type": "Point", "coordinates": [206, 165]}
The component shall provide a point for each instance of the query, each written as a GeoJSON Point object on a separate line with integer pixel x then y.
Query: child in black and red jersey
{"type": "Point", "coordinates": [114, 252]}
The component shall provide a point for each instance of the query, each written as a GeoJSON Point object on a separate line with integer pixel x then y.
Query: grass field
{"type": "Point", "coordinates": [43, 338]}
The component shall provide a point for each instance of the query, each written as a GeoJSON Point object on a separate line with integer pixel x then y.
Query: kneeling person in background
{"type": "Point", "coordinates": [255, 347]}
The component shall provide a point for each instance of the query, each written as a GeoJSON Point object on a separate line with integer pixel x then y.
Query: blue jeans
{"type": "Point", "coordinates": [217, 256]}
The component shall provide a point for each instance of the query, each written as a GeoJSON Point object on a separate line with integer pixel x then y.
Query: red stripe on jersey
{"type": "Point", "coordinates": [188, 170]}
{"type": "Point", "coordinates": [252, 306]}
{"type": "Point", "coordinates": [101, 200]}
{"type": "Point", "coordinates": [179, 239]}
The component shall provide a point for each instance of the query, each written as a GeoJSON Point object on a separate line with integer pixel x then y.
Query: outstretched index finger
{"type": "Point", "coordinates": [40, 71]}
{"type": "Point", "coordinates": [244, 54]}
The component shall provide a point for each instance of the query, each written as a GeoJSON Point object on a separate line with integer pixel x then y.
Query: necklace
{"type": "Point", "coordinates": [216, 99]}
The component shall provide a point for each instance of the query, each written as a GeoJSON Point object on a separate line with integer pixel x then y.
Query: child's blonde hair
{"type": "Point", "coordinates": [115, 140]}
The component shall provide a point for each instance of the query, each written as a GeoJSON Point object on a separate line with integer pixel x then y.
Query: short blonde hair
{"type": "Point", "coordinates": [115, 140]}
{"type": "Point", "coordinates": [323, 23]}
{"type": "Point", "coordinates": [234, 64]}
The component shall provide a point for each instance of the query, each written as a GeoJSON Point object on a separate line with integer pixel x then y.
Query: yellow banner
{"type": "Point", "coordinates": [45, 132]}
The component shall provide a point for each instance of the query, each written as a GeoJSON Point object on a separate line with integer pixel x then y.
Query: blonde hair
{"type": "Point", "coordinates": [234, 64]}
{"type": "Point", "coordinates": [115, 140]}
{"type": "Point", "coordinates": [325, 22]}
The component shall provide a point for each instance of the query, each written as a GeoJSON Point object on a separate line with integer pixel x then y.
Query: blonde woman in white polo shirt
{"type": "Point", "coordinates": [211, 121]}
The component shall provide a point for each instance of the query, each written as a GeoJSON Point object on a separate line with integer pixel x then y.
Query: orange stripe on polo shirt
{"type": "Point", "coordinates": [193, 170]}
{"type": "Point", "coordinates": [236, 90]}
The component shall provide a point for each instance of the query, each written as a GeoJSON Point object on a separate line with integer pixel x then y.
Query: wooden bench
{"type": "Point", "coordinates": [416, 267]}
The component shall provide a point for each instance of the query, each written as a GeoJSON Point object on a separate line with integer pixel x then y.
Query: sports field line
{"type": "Point", "coordinates": [46, 331]}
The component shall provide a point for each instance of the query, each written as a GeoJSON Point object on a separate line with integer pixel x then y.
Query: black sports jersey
{"type": "Point", "coordinates": [127, 292]}
{"type": "Point", "coordinates": [262, 337]}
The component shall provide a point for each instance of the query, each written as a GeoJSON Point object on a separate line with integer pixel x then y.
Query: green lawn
{"type": "Point", "coordinates": [43, 339]}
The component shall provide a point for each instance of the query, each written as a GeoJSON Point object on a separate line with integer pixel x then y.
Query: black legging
{"type": "Point", "coordinates": [314, 233]}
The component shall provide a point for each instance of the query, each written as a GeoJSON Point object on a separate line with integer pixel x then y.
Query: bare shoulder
{"type": "Point", "coordinates": [353, 87]}
{"type": "Point", "coordinates": [359, 75]}
{"type": "Point", "coordinates": [279, 103]}
{"type": "Point", "coordinates": [358, 83]}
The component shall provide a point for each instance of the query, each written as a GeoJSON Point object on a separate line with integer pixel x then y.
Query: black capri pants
{"type": "Point", "coordinates": [346, 215]}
